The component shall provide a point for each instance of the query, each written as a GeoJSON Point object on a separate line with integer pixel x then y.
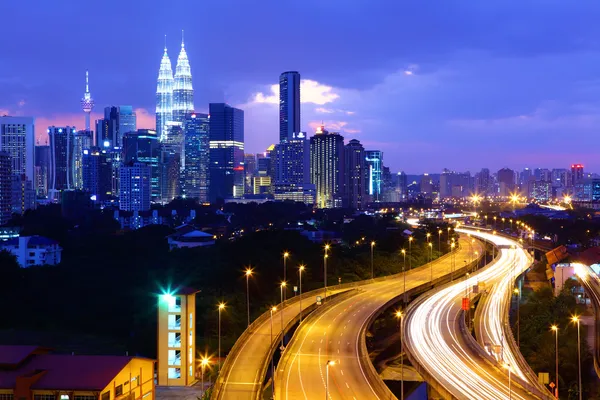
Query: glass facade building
{"type": "Point", "coordinates": [226, 153]}
{"type": "Point", "coordinates": [183, 92]}
{"type": "Point", "coordinates": [289, 105]}
{"type": "Point", "coordinates": [164, 95]}
{"type": "Point", "coordinates": [196, 150]}
{"type": "Point", "coordinates": [374, 166]}
{"type": "Point", "coordinates": [62, 160]}
{"type": "Point", "coordinates": [142, 146]}
{"type": "Point", "coordinates": [327, 167]}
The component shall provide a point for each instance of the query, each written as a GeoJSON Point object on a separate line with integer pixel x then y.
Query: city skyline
{"type": "Point", "coordinates": [482, 89]}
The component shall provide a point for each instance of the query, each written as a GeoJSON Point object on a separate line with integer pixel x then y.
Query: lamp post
{"type": "Point", "coordinates": [285, 257]}
{"type": "Point", "coordinates": [325, 270]}
{"type": "Point", "coordinates": [203, 364]}
{"type": "Point", "coordinates": [518, 295]}
{"type": "Point", "coordinates": [282, 286]}
{"type": "Point", "coordinates": [372, 269]}
{"type": "Point", "coordinates": [272, 362]}
{"type": "Point", "coordinates": [300, 270]}
{"type": "Point", "coordinates": [221, 308]}
{"type": "Point", "coordinates": [248, 274]}
{"type": "Point", "coordinates": [576, 319]}
{"type": "Point", "coordinates": [400, 315]}
{"type": "Point", "coordinates": [430, 257]}
{"type": "Point", "coordinates": [330, 363]}
{"type": "Point", "coordinates": [507, 366]}
{"type": "Point", "coordinates": [452, 262]}
{"type": "Point", "coordinates": [439, 242]}
{"type": "Point", "coordinates": [477, 259]}
{"type": "Point", "coordinates": [404, 275]}
{"type": "Point", "coordinates": [555, 330]}
{"type": "Point", "coordinates": [428, 236]}
{"type": "Point", "coordinates": [410, 239]}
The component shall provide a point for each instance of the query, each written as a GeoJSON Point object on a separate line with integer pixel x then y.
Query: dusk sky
{"type": "Point", "coordinates": [434, 84]}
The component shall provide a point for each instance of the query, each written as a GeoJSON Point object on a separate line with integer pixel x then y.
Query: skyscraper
{"type": "Point", "coordinates": [97, 174]}
{"type": "Point", "coordinates": [374, 165]}
{"type": "Point", "coordinates": [506, 182]}
{"type": "Point", "coordinates": [289, 105]}
{"type": "Point", "coordinates": [118, 120]}
{"type": "Point", "coordinates": [5, 187]}
{"type": "Point", "coordinates": [226, 172]}
{"type": "Point", "coordinates": [292, 160]}
{"type": "Point", "coordinates": [326, 167]}
{"type": "Point", "coordinates": [183, 92]}
{"type": "Point", "coordinates": [87, 103]}
{"type": "Point", "coordinates": [355, 176]}
{"type": "Point", "coordinates": [17, 138]}
{"type": "Point", "coordinates": [42, 167]}
{"type": "Point", "coordinates": [135, 190]}
{"type": "Point", "coordinates": [196, 149]}
{"type": "Point", "coordinates": [62, 146]}
{"type": "Point", "coordinates": [171, 164]}
{"type": "Point", "coordinates": [83, 140]}
{"type": "Point", "coordinates": [143, 146]}
{"type": "Point", "coordinates": [577, 173]}
{"type": "Point", "coordinates": [164, 95]}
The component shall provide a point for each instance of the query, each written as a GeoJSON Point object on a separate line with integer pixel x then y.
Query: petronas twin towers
{"type": "Point", "coordinates": [174, 96]}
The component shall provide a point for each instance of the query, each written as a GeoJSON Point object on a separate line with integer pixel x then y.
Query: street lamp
{"type": "Point", "coordinates": [404, 274]}
{"type": "Point", "coordinates": [428, 236]}
{"type": "Point", "coordinates": [273, 309]}
{"type": "Point", "coordinates": [282, 286]}
{"type": "Point", "coordinates": [452, 263]}
{"type": "Point", "coordinates": [330, 363]}
{"type": "Point", "coordinates": [400, 315]}
{"type": "Point", "coordinates": [221, 308]}
{"type": "Point", "coordinates": [507, 366]}
{"type": "Point", "coordinates": [285, 257]}
{"type": "Point", "coordinates": [439, 242]}
{"type": "Point", "coordinates": [204, 362]}
{"type": "Point", "coordinates": [325, 270]}
{"type": "Point", "coordinates": [248, 274]}
{"type": "Point", "coordinates": [430, 257]}
{"type": "Point", "coordinates": [301, 268]}
{"type": "Point", "coordinates": [555, 330]}
{"type": "Point", "coordinates": [410, 239]}
{"type": "Point", "coordinates": [372, 269]}
{"type": "Point", "coordinates": [517, 292]}
{"type": "Point", "coordinates": [576, 319]}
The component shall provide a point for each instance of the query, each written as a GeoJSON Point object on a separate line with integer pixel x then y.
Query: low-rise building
{"type": "Point", "coordinates": [189, 236]}
{"type": "Point", "coordinates": [33, 250]}
{"type": "Point", "coordinates": [31, 373]}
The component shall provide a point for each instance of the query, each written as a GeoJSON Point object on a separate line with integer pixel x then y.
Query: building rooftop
{"type": "Point", "coordinates": [59, 372]}
{"type": "Point", "coordinates": [33, 241]}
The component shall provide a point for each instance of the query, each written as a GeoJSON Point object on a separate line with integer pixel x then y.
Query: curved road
{"type": "Point", "coordinates": [337, 334]}
{"type": "Point", "coordinates": [448, 355]}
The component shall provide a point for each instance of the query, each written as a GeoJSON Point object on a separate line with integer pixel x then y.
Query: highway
{"type": "Point", "coordinates": [591, 283]}
{"type": "Point", "coordinates": [337, 334]}
{"type": "Point", "coordinates": [448, 357]}
{"type": "Point", "coordinates": [244, 369]}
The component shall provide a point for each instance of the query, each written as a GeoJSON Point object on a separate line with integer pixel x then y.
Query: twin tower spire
{"type": "Point", "coordinates": [174, 96]}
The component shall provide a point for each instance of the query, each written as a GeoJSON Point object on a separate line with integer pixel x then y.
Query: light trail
{"type": "Point", "coordinates": [435, 340]}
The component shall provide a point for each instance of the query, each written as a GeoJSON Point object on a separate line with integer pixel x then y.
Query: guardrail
{"type": "Point", "coordinates": [219, 385]}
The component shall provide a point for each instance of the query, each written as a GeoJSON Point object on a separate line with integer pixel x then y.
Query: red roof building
{"type": "Point", "coordinates": [32, 373]}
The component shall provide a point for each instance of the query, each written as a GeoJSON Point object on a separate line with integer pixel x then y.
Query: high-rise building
{"type": "Point", "coordinates": [172, 162]}
{"type": "Point", "coordinates": [196, 151]}
{"type": "Point", "coordinates": [176, 338]}
{"type": "Point", "coordinates": [402, 186]}
{"type": "Point", "coordinates": [289, 105]}
{"type": "Point", "coordinates": [576, 173]}
{"type": "Point", "coordinates": [226, 152]}
{"type": "Point", "coordinates": [135, 191]}
{"type": "Point", "coordinates": [42, 168]}
{"type": "Point", "coordinates": [97, 174]}
{"type": "Point", "coordinates": [143, 146]}
{"type": "Point", "coordinates": [355, 175]}
{"type": "Point", "coordinates": [62, 146]}
{"type": "Point", "coordinates": [164, 95]}
{"type": "Point", "coordinates": [23, 194]}
{"type": "Point", "coordinates": [292, 170]}
{"type": "Point", "coordinates": [374, 165]}
{"type": "Point", "coordinates": [5, 187]}
{"type": "Point", "coordinates": [483, 182]}
{"type": "Point", "coordinates": [83, 140]}
{"type": "Point", "coordinates": [183, 92]}
{"type": "Point", "coordinates": [118, 120]}
{"type": "Point", "coordinates": [87, 103]}
{"type": "Point", "coordinates": [327, 167]}
{"type": "Point", "coordinates": [506, 182]}
{"type": "Point", "coordinates": [17, 138]}
{"type": "Point", "coordinates": [250, 171]}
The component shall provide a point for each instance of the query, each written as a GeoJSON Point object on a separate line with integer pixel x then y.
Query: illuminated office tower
{"type": "Point", "coordinates": [164, 95]}
{"type": "Point", "coordinates": [374, 165]}
{"type": "Point", "coordinates": [62, 146]}
{"type": "Point", "coordinates": [17, 138]}
{"type": "Point", "coordinates": [196, 148]}
{"type": "Point", "coordinates": [355, 177]}
{"type": "Point", "coordinates": [289, 105]}
{"type": "Point", "coordinates": [176, 338]}
{"type": "Point", "coordinates": [327, 167]}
